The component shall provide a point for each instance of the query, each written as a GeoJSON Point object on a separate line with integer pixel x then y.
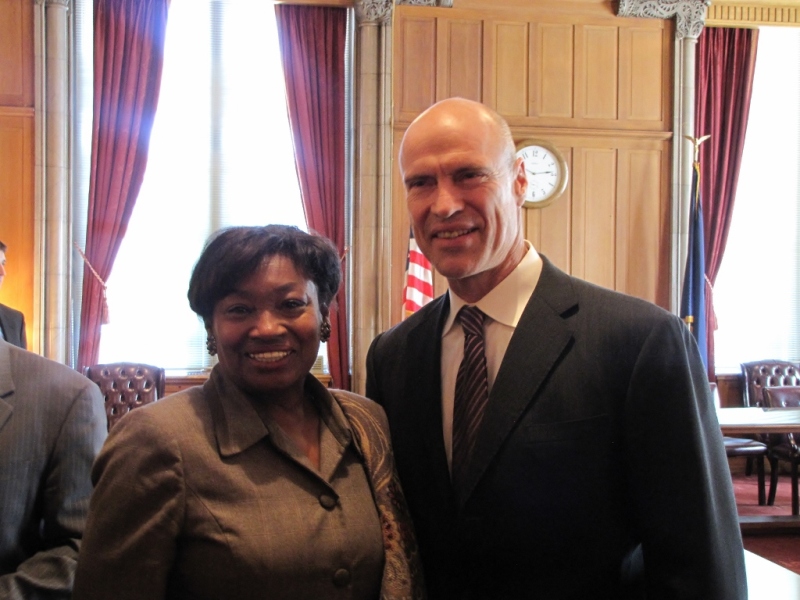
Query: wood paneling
{"type": "Point", "coordinates": [596, 72]}
{"type": "Point", "coordinates": [597, 86]}
{"type": "Point", "coordinates": [641, 76]}
{"type": "Point", "coordinates": [415, 72]}
{"type": "Point", "coordinates": [594, 210]}
{"type": "Point", "coordinates": [549, 229]}
{"type": "Point", "coordinates": [16, 53]}
{"type": "Point", "coordinates": [731, 393]}
{"type": "Point", "coordinates": [17, 157]}
{"type": "Point", "coordinates": [459, 56]}
{"type": "Point", "coordinates": [552, 65]}
{"type": "Point", "coordinates": [506, 69]}
{"type": "Point", "coordinates": [16, 212]}
{"type": "Point", "coordinates": [548, 73]}
{"type": "Point", "coordinates": [642, 224]}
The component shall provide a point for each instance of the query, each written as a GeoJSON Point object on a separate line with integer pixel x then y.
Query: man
{"type": "Point", "coordinates": [12, 322]}
{"type": "Point", "coordinates": [52, 424]}
{"type": "Point", "coordinates": [596, 468]}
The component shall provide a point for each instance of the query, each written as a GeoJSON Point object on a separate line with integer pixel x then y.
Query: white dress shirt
{"type": "Point", "coordinates": [503, 307]}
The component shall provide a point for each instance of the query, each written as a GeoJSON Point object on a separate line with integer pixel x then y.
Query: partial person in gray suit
{"type": "Point", "coordinates": [12, 322]}
{"type": "Point", "coordinates": [52, 425]}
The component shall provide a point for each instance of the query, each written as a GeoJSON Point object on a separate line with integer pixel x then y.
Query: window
{"type": "Point", "coordinates": [220, 155]}
{"type": "Point", "coordinates": [756, 293]}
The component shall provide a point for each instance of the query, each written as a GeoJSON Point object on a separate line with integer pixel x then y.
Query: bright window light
{"type": "Point", "coordinates": [220, 154]}
{"type": "Point", "coordinates": [756, 293]}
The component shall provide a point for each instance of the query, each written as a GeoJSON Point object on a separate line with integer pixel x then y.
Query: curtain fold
{"type": "Point", "coordinates": [313, 42]}
{"type": "Point", "coordinates": [726, 61]}
{"type": "Point", "coordinates": [128, 58]}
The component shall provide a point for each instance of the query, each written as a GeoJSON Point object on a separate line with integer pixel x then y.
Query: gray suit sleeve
{"type": "Point", "coordinates": [64, 496]}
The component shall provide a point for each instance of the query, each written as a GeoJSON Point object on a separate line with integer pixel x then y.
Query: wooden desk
{"type": "Point", "coordinates": [738, 421]}
{"type": "Point", "coordinates": [767, 580]}
{"type": "Point", "coordinates": [180, 380]}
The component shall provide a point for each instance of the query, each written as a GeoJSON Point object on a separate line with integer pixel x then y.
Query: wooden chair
{"type": "Point", "coordinates": [752, 449]}
{"type": "Point", "coordinates": [127, 386]}
{"type": "Point", "coordinates": [783, 446]}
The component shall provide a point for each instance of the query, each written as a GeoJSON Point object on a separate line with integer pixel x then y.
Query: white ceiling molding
{"type": "Point", "coordinates": [690, 15]}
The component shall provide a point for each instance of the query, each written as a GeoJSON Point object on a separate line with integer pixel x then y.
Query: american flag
{"type": "Point", "coordinates": [418, 290]}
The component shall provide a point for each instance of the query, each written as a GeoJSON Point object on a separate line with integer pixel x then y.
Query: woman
{"type": "Point", "coordinates": [261, 483]}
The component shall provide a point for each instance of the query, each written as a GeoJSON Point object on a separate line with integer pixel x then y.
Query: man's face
{"type": "Point", "coordinates": [464, 195]}
{"type": "Point", "coordinates": [2, 266]}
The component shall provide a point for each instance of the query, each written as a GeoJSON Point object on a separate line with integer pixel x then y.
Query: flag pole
{"type": "Point", "coordinates": [693, 298]}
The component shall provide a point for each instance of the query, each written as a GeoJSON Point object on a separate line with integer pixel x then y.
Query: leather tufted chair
{"type": "Point", "coordinates": [760, 374]}
{"type": "Point", "coordinates": [783, 446]}
{"type": "Point", "coordinates": [766, 373]}
{"type": "Point", "coordinates": [126, 386]}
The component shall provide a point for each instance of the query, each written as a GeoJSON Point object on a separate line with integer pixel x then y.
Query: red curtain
{"type": "Point", "coordinates": [726, 61]}
{"type": "Point", "coordinates": [128, 58]}
{"type": "Point", "coordinates": [312, 42]}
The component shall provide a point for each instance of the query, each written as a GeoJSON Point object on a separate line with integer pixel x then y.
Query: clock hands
{"type": "Point", "coordinates": [540, 172]}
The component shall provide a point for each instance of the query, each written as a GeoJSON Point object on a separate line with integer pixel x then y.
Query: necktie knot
{"type": "Point", "coordinates": [471, 319]}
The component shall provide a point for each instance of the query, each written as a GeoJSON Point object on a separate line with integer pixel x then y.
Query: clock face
{"type": "Point", "coordinates": [546, 171]}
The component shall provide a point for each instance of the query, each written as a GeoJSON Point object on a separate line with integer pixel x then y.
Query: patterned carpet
{"type": "Point", "coordinates": [781, 548]}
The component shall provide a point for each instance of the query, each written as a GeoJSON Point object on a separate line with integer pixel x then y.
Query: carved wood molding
{"type": "Point", "coordinates": [440, 3]}
{"type": "Point", "coordinates": [690, 14]}
{"type": "Point", "coordinates": [380, 11]}
{"type": "Point", "coordinates": [745, 15]}
{"type": "Point", "coordinates": [373, 11]}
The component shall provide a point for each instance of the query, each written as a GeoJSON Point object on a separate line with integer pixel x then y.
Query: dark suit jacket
{"type": "Point", "coordinates": [52, 424]}
{"type": "Point", "coordinates": [13, 324]}
{"type": "Point", "coordinates": [599, 448]}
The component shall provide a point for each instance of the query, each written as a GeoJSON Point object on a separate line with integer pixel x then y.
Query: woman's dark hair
{"type": "Point", "coordinates": [233, 254]}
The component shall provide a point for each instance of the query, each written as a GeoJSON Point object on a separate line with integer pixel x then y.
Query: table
{"type": "Point", "coordinates": [735, 421]}
{"type": "Point", "coordinates": [767, 580]}
{"type": "Point", "coordinates": [738, 421]}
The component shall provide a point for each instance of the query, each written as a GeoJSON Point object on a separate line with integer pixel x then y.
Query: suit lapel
{"type": "Point", "coordinates": [424, 384]}
{"type": "Point", "coordinates": [4, 324]}
{"type": "Point", "coordinates": [540, 337]}
{"type": "Point", "coordinates": [6, 383]}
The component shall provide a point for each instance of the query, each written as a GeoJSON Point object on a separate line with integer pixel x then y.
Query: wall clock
{"type": "Point", "coordinates": [546, 170]}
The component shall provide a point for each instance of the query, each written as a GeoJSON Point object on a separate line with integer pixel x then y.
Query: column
{"type": "Point", "coordinates": [690, 17]}
{"type": "Point", "coordinates": [372, 193]}
{"type": "Point", "coordinates": [52, 172]}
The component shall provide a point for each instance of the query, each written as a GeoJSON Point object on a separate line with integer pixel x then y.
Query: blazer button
{"type": "Point", "coordinates": [341, 578]}
{"type": "Point", "coordinates": [327, 501]}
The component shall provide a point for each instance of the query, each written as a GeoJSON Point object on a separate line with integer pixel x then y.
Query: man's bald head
{"type": "Point", "coordinates": [458, 114]}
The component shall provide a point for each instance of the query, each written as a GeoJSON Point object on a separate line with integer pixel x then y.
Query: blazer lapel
{"type": "Point", "coordinates": [6, 383]}
{"type": "Point", "coordinates": [541, 336]}
{"type": "Point", "coordinates": [423, 387]}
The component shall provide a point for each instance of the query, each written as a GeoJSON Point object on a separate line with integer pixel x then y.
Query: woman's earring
{"type": "Point", "coordinates": [325, 331]}
{"type": "Point", "coordinates": [211, 344]}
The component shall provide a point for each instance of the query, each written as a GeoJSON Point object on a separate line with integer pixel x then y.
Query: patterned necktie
{"type": "Point", "coordinates": [472, 390]}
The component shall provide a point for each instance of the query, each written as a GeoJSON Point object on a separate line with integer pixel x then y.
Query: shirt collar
{"type": "Point", "coordinates": [239, 422]}
{"type": "Point", "coordinates": [517, 286]}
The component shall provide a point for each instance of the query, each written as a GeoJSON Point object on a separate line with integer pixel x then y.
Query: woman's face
{"type": "Point", "coordinates": [268, 329]}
